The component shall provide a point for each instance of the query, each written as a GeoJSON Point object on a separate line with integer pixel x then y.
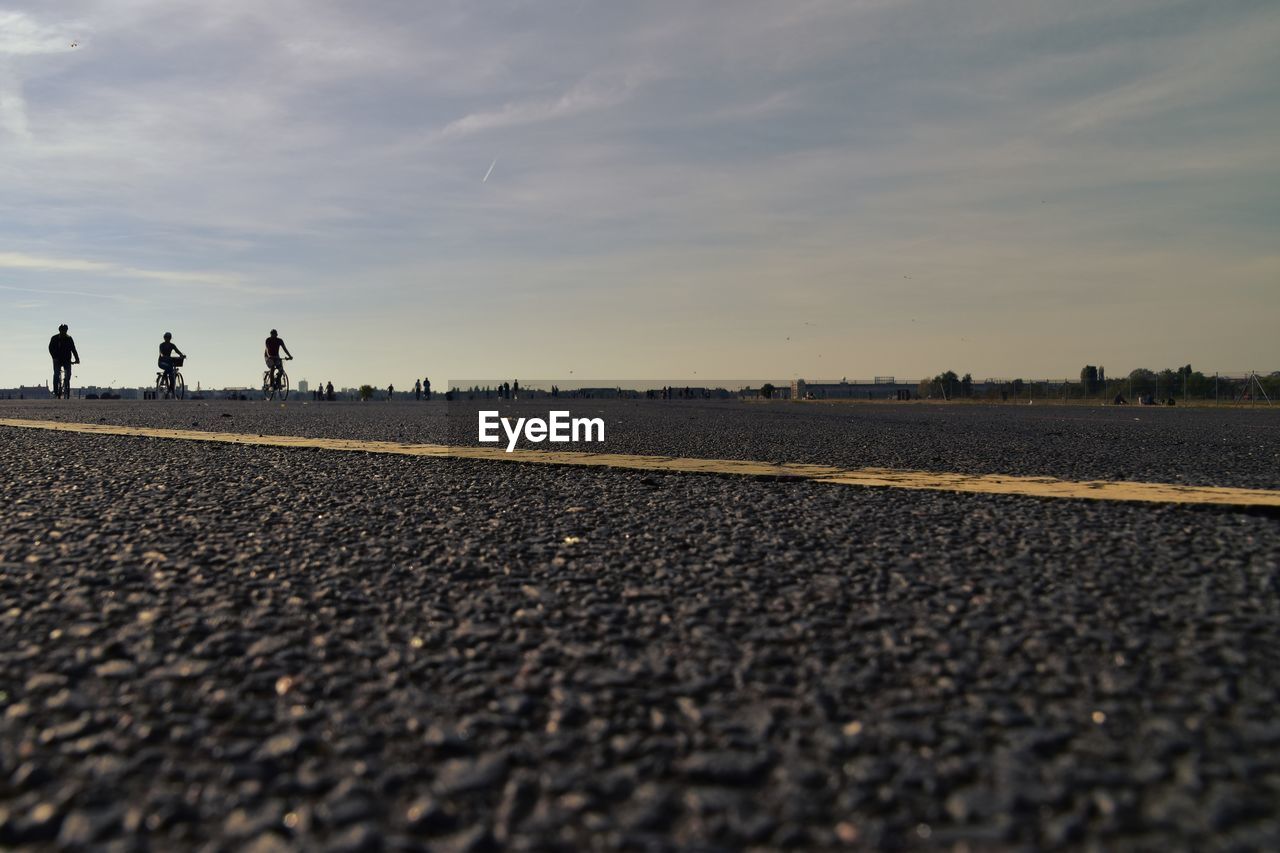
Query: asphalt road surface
{"type": "Point", "coordinates": [220, 647]}
{"type": "Point", "coordinates": [1230, 446]}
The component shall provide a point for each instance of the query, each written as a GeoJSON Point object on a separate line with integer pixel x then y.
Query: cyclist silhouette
{"type": "Point", "coordinates": [63, 350]}
{"type": "Point", "coordinates": [165, 362]}
{"type": "Point", "coordinates": [275, 344]}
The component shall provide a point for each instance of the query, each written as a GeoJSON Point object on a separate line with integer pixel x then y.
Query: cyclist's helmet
{"type": "Point", "coordinates": [62, 328]}
{"type": "Point", "coordinates": [168, 335]}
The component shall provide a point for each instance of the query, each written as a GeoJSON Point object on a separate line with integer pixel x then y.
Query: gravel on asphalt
{"type": "Point", "coordinates": [208, 645]}
{"type": "Point", "coordinates": [1227, 446]}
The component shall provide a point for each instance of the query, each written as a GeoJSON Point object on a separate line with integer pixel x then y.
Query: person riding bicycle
{"type": "Point", "coordinates": [275, 344]}
{"type": "Point", "coordinates": [63, 350]}
{"type": "Point", "coordinates": [165, 362]}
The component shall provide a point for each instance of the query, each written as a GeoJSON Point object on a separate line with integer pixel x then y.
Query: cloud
{"type": "Point", "coordinates": [22, 35]}
{"type": "Point", "coordinates": [45, 291]}
{"type": "Point", "coordinates": [593, 93]}
{"type": "Point", "coordinates": [21, 261]}
{"type": "Point", "coordinates": [1185, 72]}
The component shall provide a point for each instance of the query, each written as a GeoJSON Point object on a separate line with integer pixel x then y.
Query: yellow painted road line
{"type": "Point", "coordinates": [987, 484]}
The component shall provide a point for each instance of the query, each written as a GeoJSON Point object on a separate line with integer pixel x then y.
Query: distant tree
{"type": "Point", "coordinates": [945, 384]}
{"type": "Point", "coordinates": [1271, 384]}
{"type": "Point", "coordinates": [1089, 379]}
{"type": "Point", "coordinates": [766, 390]}
{"type": "Point", "coordinates": [1016, 387]}
{"type": "Point", "coordinates": [1142, 381]}
{"type": "Point", "coordinates": [366, 392]}
{"type": "Point", "coordinates": [966, 386]}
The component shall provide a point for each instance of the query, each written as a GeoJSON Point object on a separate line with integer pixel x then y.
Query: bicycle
{"type": "Point", "coordinates": [61, 388]}
{"type": "Point", "coordinates": [178, 388]}
{"type": "Point", "coordinates": [275, 382]}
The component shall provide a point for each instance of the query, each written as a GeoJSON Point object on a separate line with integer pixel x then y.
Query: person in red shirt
{"type": "Point", "coordinates": [275, 344]}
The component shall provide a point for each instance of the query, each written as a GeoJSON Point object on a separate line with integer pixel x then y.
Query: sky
{"type": "Point", "coordinates": [529, 189]}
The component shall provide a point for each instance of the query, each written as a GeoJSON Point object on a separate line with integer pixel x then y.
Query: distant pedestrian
{"type": "Point", "coordinates": [417, 389]}
{"type": "Point", "coordinates": [391, 392]}
{"type": "Point", "coordinates": [426, 387]}
{"type": "Point", "coordinates": [63, 350]}
{"type": "Point", "coordinates": [329, 391]}
{"type": "Point", "coordinates": [515, 390]}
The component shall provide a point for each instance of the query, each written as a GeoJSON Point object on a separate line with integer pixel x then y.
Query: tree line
{"type": "Point", "coordinates": [1180, 383]}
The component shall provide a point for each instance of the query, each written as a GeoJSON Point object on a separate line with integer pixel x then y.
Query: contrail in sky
{"type": "Point", "coordinates": [490, 172]}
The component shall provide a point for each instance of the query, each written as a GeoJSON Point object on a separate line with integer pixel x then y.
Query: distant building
{"type": "Point", "coordinates": [303, 386]}
{"type": "Point", "coordinates": [108, 393]}
{"type": "Point", "coordinates": [880, 388]}
{"type": "Point", "coordinates": [599, 393]}
{"type": "Point", "coordinates": [27, 392]}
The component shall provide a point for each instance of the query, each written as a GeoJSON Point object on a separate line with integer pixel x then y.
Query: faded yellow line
{"type": "Point", "coordinates": [987, 484]}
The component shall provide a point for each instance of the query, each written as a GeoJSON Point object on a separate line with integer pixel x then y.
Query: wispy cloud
{"type": "Point", "coordinates": [593, 93]}
{"type": "Point", "coordinates": [23, 35]}
{"type": "Point", "coordinates": [47, 291]}
{"type": "Point", "coordinates": [21, 261]}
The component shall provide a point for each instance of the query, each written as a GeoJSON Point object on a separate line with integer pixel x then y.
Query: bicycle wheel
{"type": "Point", "coordinates": [267, 392]}
{"type": "Point", "coordinates": [179, 386]}
{"type": "Point", "coordinates": [162, 388]}
{"type": "Point", "coordinates": [284, 386]}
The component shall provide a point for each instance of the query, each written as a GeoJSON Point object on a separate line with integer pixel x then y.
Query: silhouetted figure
{"type": "Point", "coordinates": [1119, 401]}
{"type": "Point", "coordinates": [515, 390]}
{"type": "Point", "coordinates": [63, 350]}
{"type": "Point", "coordinates": [506, 390]}
{"type": "Point", "coordinates": [271, 354]}
{"type": "Point", "coordinates": [417, 389]}
{"type": "Point", "coordinates": [391, 393]}
{"type": "Point", "coordinates": [328, 390]}
{"type": "Point", "coordinates": [166, 362]}
{"type": "Point", "coordinates": [426, 388]}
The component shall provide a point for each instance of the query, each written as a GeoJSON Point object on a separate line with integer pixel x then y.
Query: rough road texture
{"type": "Point", "coordinates": [211, 645]}
{"type": "Point", "coordinates": [1229, 446]}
